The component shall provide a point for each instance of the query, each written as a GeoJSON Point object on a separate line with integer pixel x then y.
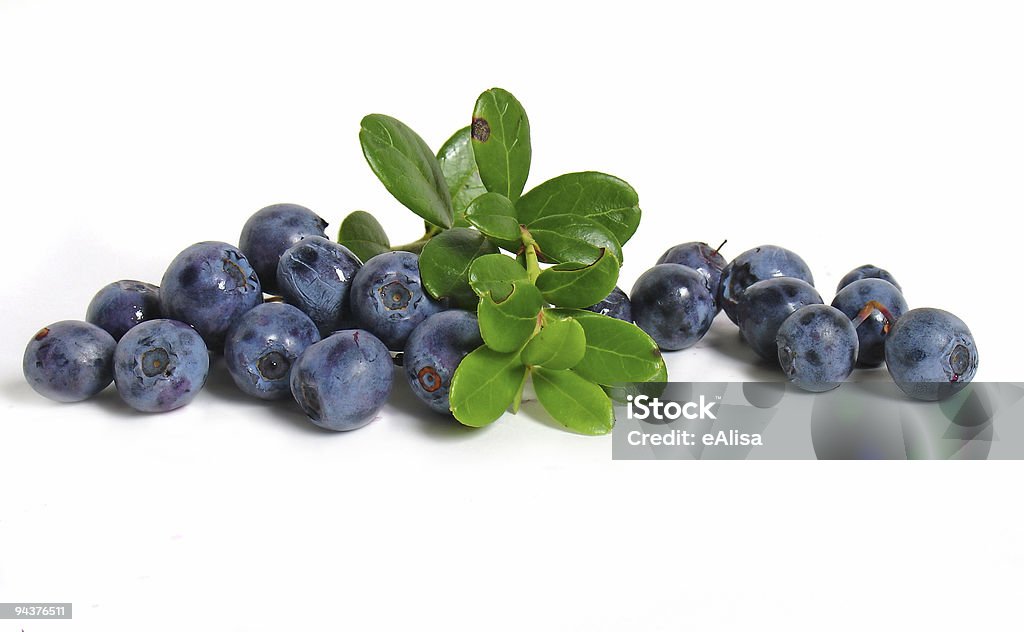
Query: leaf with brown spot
{"type": "Point", "coordinates": [501, 142]}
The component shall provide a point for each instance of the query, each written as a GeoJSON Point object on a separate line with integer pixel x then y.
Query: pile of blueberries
{"type": "Point", "coordinates": [769, 293]}
{"type": "Point", "coordinates": [334, 326]}
{"type": "Point", "coordinates": [326, 337]}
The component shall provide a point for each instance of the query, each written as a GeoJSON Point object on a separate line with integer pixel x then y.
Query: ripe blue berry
{"type": "Point", "coordinates": [930, 354]}
{"type": "Point", "coordinates": [315, 275]}
{"type": "Point", "coordinates": [758, 264]}
{"type": "Point", "coordinates": [342, 381]}
{"type": "Point", "coordinates": [118, 307]}
{"type": "Point", "coordinates": [271, 231]}
{"type": "Point", "coordinates": [871, 294]}
{"type": "Point", "coordinates": [616, 305]}
{"type": "Point", "coordinates": [817, 347]}
{"type": "Point", "coordinates": [209, 285]}
{"type": "Point", "coordinates": [671, 302]}
{"type": "Point", "coordinates": [867, 271]}
{"type": "Point", "coordinates": [702, 258]}
{"type": "Point", "coordinates": [160, 365]}
{"type": "Point", "coordinates": [434, 351]}
{"type": "Point", "coordinates": [765, 305]}
{"type": "Point", "coordinates": [262, 346]}
{"type": "Point", "coordinates": [388, 299]}
{"type": "Point", "coordinates": [69, 361]}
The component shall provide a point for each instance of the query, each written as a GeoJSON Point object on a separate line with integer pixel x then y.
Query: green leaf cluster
{"type": "Point", "coordinates": [526, 261]}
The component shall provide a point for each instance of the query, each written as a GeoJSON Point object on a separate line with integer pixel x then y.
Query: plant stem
{"type": "Point", "coordinates": [530, 250]}
{"type": "Point", "coordinates": [517, 402]}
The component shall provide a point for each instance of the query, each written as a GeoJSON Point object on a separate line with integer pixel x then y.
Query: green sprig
{"type": "Point", "coordinates": [471, 196]}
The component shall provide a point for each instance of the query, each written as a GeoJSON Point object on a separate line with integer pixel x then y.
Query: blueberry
{"type": "Point", "coordinates": [388, 298]}
{"type": "Point", "coordinates": [930, 354]}
{"type": "Point", "coordinates": [69, 361]}
{"type": "Point", "coordinates": [854, 297]}
{"type": "Point", "coordinates": [433, 352]}
{"type": "Point", "coordinates": [121, 305]}
{"type": "Point", "coordinates": [209, 285]}
{"type": "Point", "coordinates": [262, 346]}
{"type": "Point", "coordinates": [867, 271]}
{"type": "Point", "coordinates": [616, 305]}
{"type": "Point", "coordinates": [271, 231]}
{"type": "Point", "coordinates": [315, 275]}
{"type": "Point", "coordinates": [758, 264]}
{"type": "Point", "coordinates": [702, 258]}
{"type": "Point", "coordinates": [160, 365]}
{"type": "Point", "coordinates": [817, 347]}
{"type": "Point", "coordinates": [671, 302]}
{"type": "Point", "coordinates": [342, 381]}
{"type": "Point", "coordinates": [765, 305]}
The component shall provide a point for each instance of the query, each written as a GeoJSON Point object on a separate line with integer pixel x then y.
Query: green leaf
{"type": "Point", "coordinates": [617, 351]}
{"type": "Point", "coordinates": [653, 386]}
{"type": "Point", "coordinates": [560, 344]}
{"type": "Point", "coordinates": [605, 199]}
{"type": "Point", "coordinates": [446, 260]}
{"type": "Point", "coordinates": [460, 172]}
{"type": "Point", "coordinates": [578, 284]}
{"type": "Point", "coordinates": [507, 322]}
{"type": "Point", "coordinates": [407, 167]}
{"type": "Point", "coordinates": [496, 274]}
{"type": "Point", "coordinates": [485, 385]}
{"type": "Point", "coordinates": [361, 233]}
{"type": "Point", "coordinates": [573, 401]}
{"type": "Point", "coordinates": [495, 216]}
{"type": "Point", "coordinates": [572, 238]}
{"type": "Point", "coordinates": [501, 142]}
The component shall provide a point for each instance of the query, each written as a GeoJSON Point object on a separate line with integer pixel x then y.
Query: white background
{"type": "Point", "coordinates": [882, 132]}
